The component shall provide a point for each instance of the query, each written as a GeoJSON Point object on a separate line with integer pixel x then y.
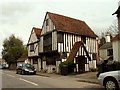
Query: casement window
{"type": "Point", "coordinates": [110, 52]}
{"type": "Point", "coordinates": [35, 61]}
{"type": "Point", "coordinates": [32, 47]}
{"type": "Point", "coordinates": [47, 42]}
{"type": "Point", "coordinates": [47, 22]}
{"type": "Point", "coordinates": [94, 56]}
{"type": "Point", "coordinates": [60, 38]}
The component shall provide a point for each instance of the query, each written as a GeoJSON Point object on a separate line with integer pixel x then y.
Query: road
{"type": "Point", "coordinates": [12, 80]}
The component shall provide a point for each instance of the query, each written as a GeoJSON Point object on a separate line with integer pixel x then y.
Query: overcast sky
{"type": "Point", "coordinates": [19, 16]}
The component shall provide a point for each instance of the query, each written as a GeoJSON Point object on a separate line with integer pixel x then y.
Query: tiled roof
{"type": "Point", "coordinates": [23, 58]}
{"type": "Point", "coordinates": [37, 31]}
{"type": "Point", "coordinates": [107, 45]}
{"type": "Point", "coordinates": [117, 37]}
{"type": "Point", "coordinates": [67, 24]}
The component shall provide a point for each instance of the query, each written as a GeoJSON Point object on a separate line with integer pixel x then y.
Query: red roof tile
{"type": "Point", "coordinates": [71, 25]}
{"type": "Point", "coordinates": [37, 31]}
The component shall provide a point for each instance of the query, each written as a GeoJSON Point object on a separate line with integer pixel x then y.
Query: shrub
{"type": "Point", "coordinates": [117, 64]}
{"type": "Point", "coordinates": [70, 65]}
{"type": "Point", "coordinates": [93, 69]}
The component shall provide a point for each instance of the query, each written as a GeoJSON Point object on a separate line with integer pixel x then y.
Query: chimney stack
{"type": "Point", "coordinates": [108, 37]}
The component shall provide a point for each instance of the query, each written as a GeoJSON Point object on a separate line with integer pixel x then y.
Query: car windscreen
{"type": "Point", "coordinates": [27, 65]}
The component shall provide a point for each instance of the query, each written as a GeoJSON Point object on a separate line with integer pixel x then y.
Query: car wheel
{"type": "Point", "coordinates": [111, 84]}
{"type": "Point", "coordinates": [34, 73]}
{"type": "Point", "coordinates": [22, 72]}
{"type": "Point", "coordinates": [19, 71]}
{"type": "Point", "coordinates": [16, 72]}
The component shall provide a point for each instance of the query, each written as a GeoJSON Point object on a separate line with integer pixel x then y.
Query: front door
{"type": "Point", "coordinates": [81, 63]}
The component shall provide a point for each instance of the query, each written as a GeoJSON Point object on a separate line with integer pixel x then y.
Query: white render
{"type": "Point", "coordinates": [107, 38]}
{"type": "Point", "coordinates": [103, 54]}
{"type": "Point", "coordinates": [48, 28]}
{"type": "Point", "coordinates": [41, 44]}
{"type": "Point", "coordinates": [33, 39]}
{"type": "Point", "coordinates": [116, 50]}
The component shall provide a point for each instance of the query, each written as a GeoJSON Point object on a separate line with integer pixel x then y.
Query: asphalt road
{"type": "Point", "coordinates": [12, 80]}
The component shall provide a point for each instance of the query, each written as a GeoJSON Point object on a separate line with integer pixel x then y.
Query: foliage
{"type": "Point", "coordinates": [102, 41]}
{"type": "Point", "coordinates": [113, 28]}
{"type": "Point", "coordinates": [117, 64]}
{"type": "Point", "coordinates": [93, 69]}
{"type": "Point", "coordinates": [13, 48]}
{"type": "Point", "coordinates": [69, 64]}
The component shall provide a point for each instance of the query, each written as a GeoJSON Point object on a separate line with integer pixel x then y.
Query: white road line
{"type": "Point", "coordinates": [28, 81]}
{"type": "Point", "coordinates": [10, 75]}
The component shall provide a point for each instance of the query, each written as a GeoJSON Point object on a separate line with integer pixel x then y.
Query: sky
{"type": "Point", "coordinates": [18, 17]}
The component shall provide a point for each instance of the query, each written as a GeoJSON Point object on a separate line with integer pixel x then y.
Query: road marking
{"type": "Point", "coordinates": [28, 81]}
{"type": "Point", "coordinates": [10, 75]}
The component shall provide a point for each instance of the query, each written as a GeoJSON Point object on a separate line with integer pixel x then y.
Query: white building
{"type": "Point", "coordinates": [116, 39]}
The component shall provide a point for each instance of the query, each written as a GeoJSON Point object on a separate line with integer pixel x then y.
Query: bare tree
{"type": "Point", "coordinates": [113, 29]}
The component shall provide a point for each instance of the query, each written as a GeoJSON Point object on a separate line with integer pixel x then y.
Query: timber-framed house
{"type": "Point", "coordinates": [58, 36]}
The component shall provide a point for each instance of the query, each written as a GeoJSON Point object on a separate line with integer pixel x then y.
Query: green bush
{"type": "Point", "coordinates": [93, 69]}
{"type": "Point", "coordinates": [70, 65]}
{"type": "Point", "coordinates": [117, 64]}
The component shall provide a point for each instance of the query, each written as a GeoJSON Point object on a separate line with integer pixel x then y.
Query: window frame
{"type": "Point", "coordinates": [31, 47]}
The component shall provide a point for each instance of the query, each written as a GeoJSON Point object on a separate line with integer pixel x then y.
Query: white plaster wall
{"type": "Point", "coordinates": [57, 66]}
{"type": "Point", "coordinates": [50, 69]}
{"type": "Point", "coordinates": [39, 64]}
{"type": "Point", "coordinates": [44, 65]}
{"type": "Point", "coordinates": [33, 39]}
{"type": "Point", "coordinates": [54, 40]}
{"type": "Point", "coordinates": [116, 50]}
{"type": "Point", "coordinates": [49, 27]}
{"type": "Point", "coordinates": [103, 54]}
{"type": "Point", "coordinates": [86, 67]}
{"type": "Point", "coordinates": [35, 52]}
{"type": "Point", "coordinates": [41, 44]}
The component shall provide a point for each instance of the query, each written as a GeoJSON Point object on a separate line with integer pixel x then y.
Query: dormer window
{"type": "Point", "coordinates": [46, 22]}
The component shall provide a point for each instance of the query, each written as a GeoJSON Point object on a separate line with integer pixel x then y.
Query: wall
{"type": "Point", "coordinates": [47, 28]}
{"type": "Point", "coordinates": [116, 50]}
{"type": "Point", "coordinates": [103, 54]}
{"type": "Point", "coordinates": [91, 46]}
{"type": "Point", "coordinates": [33, 39]}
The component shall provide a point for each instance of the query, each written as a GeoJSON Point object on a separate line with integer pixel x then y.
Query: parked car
{"type": "Point", "coordinates": [25, 69]}
{"type": "Point", "coordinates": [110, 80]}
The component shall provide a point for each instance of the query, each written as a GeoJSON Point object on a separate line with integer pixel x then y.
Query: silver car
{"type": "Point", "coordinates": [110, 80]}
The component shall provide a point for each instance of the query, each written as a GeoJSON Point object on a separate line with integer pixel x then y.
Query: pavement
{"type": "Point", "coordinates": [89, 77]}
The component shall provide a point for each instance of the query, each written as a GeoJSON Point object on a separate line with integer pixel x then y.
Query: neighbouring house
{"type": "Point", "coordinates": [23, 59]}
{"type": "Point", "coordinates": [33, 49]}
{"type": "Point", "coordinates": [106, 50]}
{"type": "Point", "coordinates": [116, 39]}
{"type": "Point", "coordinates": [60, 38]}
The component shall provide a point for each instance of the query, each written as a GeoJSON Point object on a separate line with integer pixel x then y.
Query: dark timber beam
{"type": "Point", "coordinates": [75, 49]}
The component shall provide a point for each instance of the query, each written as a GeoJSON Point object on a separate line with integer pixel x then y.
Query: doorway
{"type": "Point", "coordinates": [81, 60]}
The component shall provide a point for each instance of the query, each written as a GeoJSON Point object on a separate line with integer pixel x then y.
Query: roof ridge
{"type": "Point", "coordinates": [36, 28]}
{"type": "Point", "coordinates": [70, 24]}
{"type": "Point", "coordinates": [66, 16]}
